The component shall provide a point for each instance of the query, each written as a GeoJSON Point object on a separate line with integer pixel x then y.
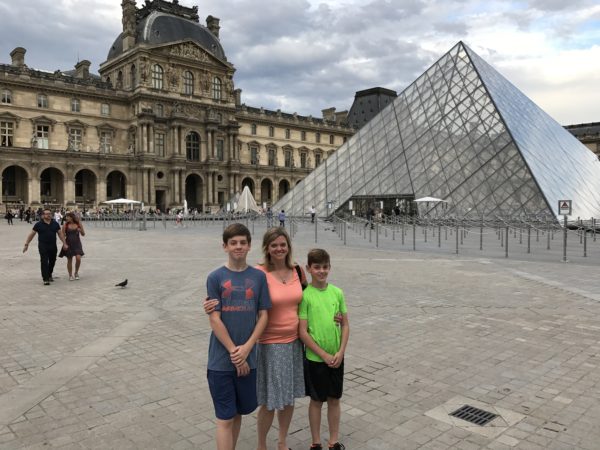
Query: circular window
{"type": "Point", "coordinates": [160, 175]}
{"type": "Point", "coordinates": [220, 178]}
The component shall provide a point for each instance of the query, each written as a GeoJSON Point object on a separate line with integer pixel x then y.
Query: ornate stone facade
{"type": "Point", "coordinates": [163, 123]}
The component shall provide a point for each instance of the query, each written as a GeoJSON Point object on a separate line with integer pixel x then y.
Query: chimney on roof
{"type": "Point", "coordinates": [82, 69]}
{"type": "Point", "coordinates": [329, 114]}
{"type": "Point", "coordinates": [18, 57]}
{"type": "Point", "coordinates": [212, 23]}
{"type": "Point", "coordinates": [238, 97]}
{"type": "Point", "coordinates": [129, 23]}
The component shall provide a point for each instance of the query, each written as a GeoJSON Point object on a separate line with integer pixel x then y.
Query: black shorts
{"type": "Point", "coordinates": [323, 382]}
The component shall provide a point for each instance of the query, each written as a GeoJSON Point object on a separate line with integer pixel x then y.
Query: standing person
{"type": "Point", "coordinates": [9, 216]}
{"type": "Point", "coordinates": [280, 377]}
{"type": "Point", "coordinates": [370, 215]}
{"type": "Point", "coordinates": [46, 229]}
{"type": "Point", "coordinates": [237, 322]}
{"type": "Point", "coordinates": [313, 212]}
{"type": "Point", "coordinates": [281, 217]}
{"type": "Point", "coordinates": [325, 343]}
{"type": "Point", "coordinates": [28, 215]}
{"type": "Point", "coordinates": [72, 230]}
{"type": "Point", "coordinates": [269, 215]}
{"type": "Point", "coordinates": [58, 217]}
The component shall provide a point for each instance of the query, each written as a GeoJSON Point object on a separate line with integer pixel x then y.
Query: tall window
{"type": "Point", "coordinates": [42, 100]}
{"type": "Point", "coordinates": [75, 138]}
{"type": "Point", "coordinates": [42, 133]}
{"type": "Point", "coordinates": [303, 160]}
{"type": "Point", "coordinates": [331, 139]}
{"type": "Point", "coordinates": [317, 159]}
{"type": "Point", "coordinates": [253, 128]}
{"type": "Point", "coordinates": [160, 110]}
{"type": "Point", "coordinates": [188, 83]}
{"type": "Point", "coordinates": [132, 76]}
{"type": "Point", "coordinates": [75, 105]}
{"type": "Point", "coordinates": [216, 89]}
{"type": "Point", "coordinates": [303, 135]}
{"type": "Point", "coordinates": [6, 134]}
{"type": "Point", "coordinates": [120, 79]}
{"type": "Point", "coordinates": [192, 146]}
{"type": "Point", "coordinates": [254, 155]}
{"type": "Point", "coordinates": [159, 144]}
{"type": "Point", "coordinates": [318, 137]}
{"type": "Point", "coordinates": [6, 98]}
{"type": "Point", "coordinates": [271, 131]}
{"type": "Point", "coordinates": [271, 156]}
{"type": "Point", "coordinates": [157, 76]}
{"type": "Point", "coordinates": [105, 109]}
{"type": "Point", "coordinates": [288, 158]}
{"type": "Point", "coordinates": [288, 133]}
{"type": "Point", "coordinates": [220, 153]}
{"type": "Point", "coordinates": [106, 141]}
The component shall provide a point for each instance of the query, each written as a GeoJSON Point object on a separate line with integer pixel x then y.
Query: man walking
{"type": "Point", "coordinates": [46, 229]}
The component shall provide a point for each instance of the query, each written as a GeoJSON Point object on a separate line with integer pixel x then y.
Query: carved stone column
{"type": "Point", "coordinates": [151, 188]}
{"type": "Point", "coordinates": [209, 187]}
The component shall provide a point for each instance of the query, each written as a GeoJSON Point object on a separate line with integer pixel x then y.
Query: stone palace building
{"type": "Point", "coordinates": [162, 123]}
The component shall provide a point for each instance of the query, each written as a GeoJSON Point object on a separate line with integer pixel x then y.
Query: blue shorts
{"type": "Point", "coordinates": [232, 395]}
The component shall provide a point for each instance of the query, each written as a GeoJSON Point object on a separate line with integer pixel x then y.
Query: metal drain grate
{"type": "Point", "coordinates": [474, 415]}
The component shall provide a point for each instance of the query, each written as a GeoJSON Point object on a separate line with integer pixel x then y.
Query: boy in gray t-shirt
{"type": "Point", "coordinates": [237, 322]}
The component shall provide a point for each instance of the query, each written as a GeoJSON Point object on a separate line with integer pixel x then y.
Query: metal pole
{"type": "Point", "coordinates": [415, 235]}
{"type": "Point", "coordinates": [345, 230]}
{"type": "Point", "coordinates": [565, 240]}
{"type": "Point", "coordinates": [403, 222]}
{"type": "Point", "coordinates": [457, 236]}
{"type": "Point", "coordinates": [547, 234]}
{"type": "Point", "coordinates": [439, 236]}
{"type": "Point", "coordinates": [506, 246]}
{"type": "Point", "coordinates": [481, 235]}
{"type": "Point", "coordinates": [528, 238]}
{"type": "Point", "coordinates": [377, 234]}
{"type": "Point", "coordinates": [584, 243]}
{"type": "Point", "coordinates": [315, 228]}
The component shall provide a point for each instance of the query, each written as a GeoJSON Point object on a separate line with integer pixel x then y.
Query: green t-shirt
{"type": "Point", "coordinates": [318, 307]}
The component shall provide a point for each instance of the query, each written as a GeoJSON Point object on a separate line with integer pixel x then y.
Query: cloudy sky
{"type": "Point", "coordinates": [306, 55]}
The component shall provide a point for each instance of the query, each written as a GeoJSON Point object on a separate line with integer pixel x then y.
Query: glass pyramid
{"type": "Point", "coordinates": [463, 133]}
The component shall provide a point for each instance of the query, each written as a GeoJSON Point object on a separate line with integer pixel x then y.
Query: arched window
{"type": "Point", "coordinates": [192, 146]}
{"type": "Point", "coordinates": [188, 83]}
{"type": "Point", "coordinates": [157, 76]}
{"type": "Point", "coordinates": [120, 79]}
{"type": "Point", "coordinates": [6, 97]}
{"type": "Point", "coordinates": [132, 76]}
{"type": "Point", "coordinates": [216, 90]}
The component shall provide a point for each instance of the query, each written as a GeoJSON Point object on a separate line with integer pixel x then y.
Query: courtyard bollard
{"type": "Point", "coordinates": [520, 235]}
{"type": "Point", "coordinates": [377, 235]}
{"type": "Point", "coordinates": [414, 235]}
{"type": "Point", "coordinates": [345, 230]}
{"type": "Point", "coordinates": [457, 237]}
{"type": "Point", "coordinates": [439, 236]}
{"type": "Point", "coordinates": [547, 234]}
{"type": "Point", "coordinates": [403, 232]}
{"type": "Point", "coordinates": [506, 245]}
{"type": "Point", "coordinates": [584, 243]}
{"type": "Point", "coordinates": [565, 240]}
{"type": "Point", "coordinates": [580, 230]}
{"type": "Point", "coordinates": [462, 232]}
{"type": "Point", "coordinates": [425, 232]}
{"type": "Point", "coordinates": [528, 238]}
{"type": "Point", "coordinates": [501, 237]}
{"type": "Point", "coordinates": [481, 235]}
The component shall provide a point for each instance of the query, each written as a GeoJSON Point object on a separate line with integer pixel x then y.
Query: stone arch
{"type": "Point", "coordinates": [266, 191]}
{"type": "Point", "coordinates": [116, 185]}
{"type": "Point", "coordinates": [52, 186]}
{"type": "Point", "coordinates": [193, 191]}
{"type": "Point", "coordinates": [284, 188]}
{"type": "Point", "coordinates": [86, 181]}
{"type": "Point", "coordinates": [250, 183]}
{"type": "Point", "coordinates": [15, 184]}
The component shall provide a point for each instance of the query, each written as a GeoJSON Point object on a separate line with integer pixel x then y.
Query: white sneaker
{"type": "Point", "coordinates": [71, 278]}
{"type": "Point", "coordinates": [77, 276]}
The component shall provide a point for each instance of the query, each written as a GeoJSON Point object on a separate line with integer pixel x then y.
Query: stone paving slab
{"type": "Point", "coordinates": [84, 364]}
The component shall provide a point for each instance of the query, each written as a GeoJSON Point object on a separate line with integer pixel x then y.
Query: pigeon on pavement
{"type": "Point", "coordinates": [122, 283]}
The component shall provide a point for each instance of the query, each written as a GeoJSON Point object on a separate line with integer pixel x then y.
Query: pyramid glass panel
{"type": "Point", "coordinates": [463, 133]}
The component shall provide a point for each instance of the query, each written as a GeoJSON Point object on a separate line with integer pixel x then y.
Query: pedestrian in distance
{"type": "Point", "coordinates": [237, 322]}
{"type": "Point", "coordinates": [9, 216]}
{"type": "Point", "coordinates": [73, 230]}
{"type": "Point", "coordinates": [46, 229]}
{"type": "Point", "coordinates": [281, 217]}
{"type": "Point", "coordinates": [325, 342]}
{"type": "Point", "coordinates": [313, 213]}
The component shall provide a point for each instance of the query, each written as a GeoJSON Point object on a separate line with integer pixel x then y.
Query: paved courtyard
{"type": "Point", "coordinates": [84, 364]}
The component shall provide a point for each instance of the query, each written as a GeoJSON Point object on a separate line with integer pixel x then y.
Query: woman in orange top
{"type": "Point", "coordinates": [280, 375]}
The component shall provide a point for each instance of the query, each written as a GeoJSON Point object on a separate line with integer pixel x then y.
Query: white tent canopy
{"type": "Point", "coordinates": [122, 201]}
{"type": "Point", "coordinates": [429, 199]}
{"type": "Point", "coordinates": [246, 202]}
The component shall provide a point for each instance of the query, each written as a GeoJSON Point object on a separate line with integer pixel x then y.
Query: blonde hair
{"type": "Point", "coordinates": [270, 235]}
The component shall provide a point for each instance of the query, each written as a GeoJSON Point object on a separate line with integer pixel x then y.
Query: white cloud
{"type": "Point", "coordinates": [305, 55]}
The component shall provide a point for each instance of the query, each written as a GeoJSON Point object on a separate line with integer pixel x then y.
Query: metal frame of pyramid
{"type": "Point", "coordinates": [463, 133]}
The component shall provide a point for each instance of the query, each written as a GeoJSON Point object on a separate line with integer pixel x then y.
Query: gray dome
{"type": "Point", "coordinates": [160, 28]}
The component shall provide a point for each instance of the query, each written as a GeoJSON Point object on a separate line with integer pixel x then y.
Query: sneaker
{"type": "Point", "coordinates": [46, 283]}
{"type": "Point", "coordinates": [71, 278]}
{"type": "Point", "coordinates": [337, 446]}
{"type": "Point", "coordinates": [51, 280]}
{"type": "Point", "coordinates": [316, 447]}
{"type": "Point", "coordinates": [77, 276]}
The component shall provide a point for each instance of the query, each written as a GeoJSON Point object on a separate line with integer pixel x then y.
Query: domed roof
{"type": "Point", "coordinates": [160, 28]}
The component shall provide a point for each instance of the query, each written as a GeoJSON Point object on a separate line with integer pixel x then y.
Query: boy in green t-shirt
{"type": "Point", "coordinates": [325, 341]}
